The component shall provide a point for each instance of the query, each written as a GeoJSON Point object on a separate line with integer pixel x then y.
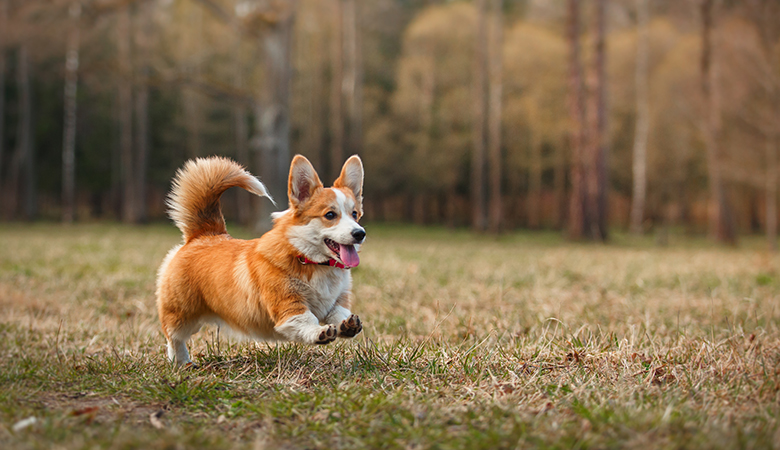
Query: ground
{"type": "Point", "coordinates": [468, 342]}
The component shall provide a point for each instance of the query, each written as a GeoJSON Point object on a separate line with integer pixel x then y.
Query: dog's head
{"type": "Point", "coordinates": [323, 222]}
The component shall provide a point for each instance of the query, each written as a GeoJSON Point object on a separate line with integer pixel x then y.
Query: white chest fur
{"type": "Point", "coordinates": [328, 285]}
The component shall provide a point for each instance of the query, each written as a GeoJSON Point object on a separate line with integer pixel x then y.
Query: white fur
{"type": "Point", "coordinates": [308, 239]}
{"type": "Point", "coordinates": [329, 285]}
{"type": "Point", "coordinates": [278, 214]}
{"type": "Point", "coordinates": [177, 344]}
{"type": "Point", "coordinates": [258, 188]}
{"type": "Point", "coordinates": [337, 315]}
{"type": "Point", "coordinates": [303, 328]}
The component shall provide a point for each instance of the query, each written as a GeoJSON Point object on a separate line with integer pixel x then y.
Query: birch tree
{"type": "Point", "coordinates": [478, 219]}
{"type": "Point", "coordinates": [495, 90]}
{"type": "Point", "coordinates": [642, 128]}
{"type": "Point", "coordinates": [722, 226]}
{"type": "Point", "coordinates": [69, 139]}
{"type": "Point", "coordinates": [576, 108]}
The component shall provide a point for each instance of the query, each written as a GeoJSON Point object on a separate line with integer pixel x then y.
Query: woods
{"type": "Point", "coordinates": [497, 115]}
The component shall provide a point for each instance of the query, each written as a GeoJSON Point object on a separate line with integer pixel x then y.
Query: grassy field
{"type": "Point", "coordinates": [469, 342]}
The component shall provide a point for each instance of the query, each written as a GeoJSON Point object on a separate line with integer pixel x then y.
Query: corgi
{"type": "Point", "coordinates": [291, 284]}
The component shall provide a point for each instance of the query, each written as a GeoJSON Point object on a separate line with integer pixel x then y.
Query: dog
{"type": "Point", "coordinates": [291, 284]}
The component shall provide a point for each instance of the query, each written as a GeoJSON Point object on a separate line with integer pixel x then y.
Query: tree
{"type": "Point", "coordinates": [478, 219]}
{"type": "Point", "coordinates": [352, 82]}
{"type": "Point", "coordinates": [22, 177]}
{"type": "Point", "coordinates": [125, 107]}
{"type": "Point", "coordinates": [143, 36]}
{"type": "Point", "coordinates": [496, 49]}
{"type": "Point", "coordinates": [765, 17]}
{"type": "Point", "coordinates": [577, 121]}
{"type": "Point", "coordinates": [722, 226]}
{"type": "Point", "coordinates": [240, 128]}
{"type": "Point", "coordinates": [597, 201]}
{"type": "Point", "coordinates": [69, 140]}
{"type": "Point", "coordinates": [3, 26]}
{"type": "Point", "coordinates": [642, 128]}
{"type": "Point", "coordinates": [336, 90]}
{"type": "Point", "coordinates": [273, 114]}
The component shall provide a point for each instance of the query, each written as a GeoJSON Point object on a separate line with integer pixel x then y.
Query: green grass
{"type": "Point", "coordinates": [469, 342]}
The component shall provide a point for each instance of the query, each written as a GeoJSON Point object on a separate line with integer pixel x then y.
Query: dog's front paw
{"type": "Point", "coordinates": [327, 335]}
{"type": "Point", "coordinates": [350, 326]}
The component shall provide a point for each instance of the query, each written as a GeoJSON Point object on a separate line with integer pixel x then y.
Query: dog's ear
{"type": "Point", "coordinates": [352, 177]}
{"type": "Point", "coordinates": [303, 181]}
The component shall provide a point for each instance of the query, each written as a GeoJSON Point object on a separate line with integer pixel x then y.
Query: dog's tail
{"type": "Point", "coordinates": [194, 199]}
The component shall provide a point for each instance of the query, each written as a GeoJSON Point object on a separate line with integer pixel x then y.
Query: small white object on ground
{"type": "Point", "coordinates": [24, 423]}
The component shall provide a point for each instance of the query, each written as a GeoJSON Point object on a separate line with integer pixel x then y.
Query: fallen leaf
{"type": "Point", "coordinates": [81, 412]}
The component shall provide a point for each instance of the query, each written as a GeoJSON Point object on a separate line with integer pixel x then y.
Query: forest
{"type": "Point", "coordinates": [581, 116]}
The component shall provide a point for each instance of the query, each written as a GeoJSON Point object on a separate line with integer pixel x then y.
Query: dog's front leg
{"type": "Point", "coordinates": [347, 324]}
{"type": "Point", "coordinates": [303, 326]}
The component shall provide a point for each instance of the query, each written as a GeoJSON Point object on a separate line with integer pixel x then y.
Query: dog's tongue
{"type": "Point", "coordinates": [349, 255]}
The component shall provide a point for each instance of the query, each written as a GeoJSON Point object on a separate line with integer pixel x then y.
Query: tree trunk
{"type": "Point", "coordinates": [559, 184]}
{"type": "Point", "coordinates": [143, 33]}
{"type": "Point", "coordinates": [69, 141]}
{"type": "Point", "coordinates": [336, 93]}
{"type": "Point", "coordinates": [315, 112]}
{"type": "Point", "coordinates": [764, 15]}
{"type": "Point", "coordinates": [22, 177]}
{"type": "Point", "coordinates": [125, 99]}
{"type": "Point", "coordinates": [535, 182]}
{"type": "Point", "coordinates": [771, 171]}
{"type": "Point", "coordinates": [642, 128]}
{"type": "Point", "coordinates": [597, 164]}
{"type": "Point", "coordinates": [274, 116]}
{"type": "Point", "coordinates": [494, 117]}
{"type": "Point", "coordinates": [576, 117]}
{"type": "Point", "coordinates": [3, 26]}
{"type": "Point", "coordinates": [193, 116]}
{"type": "Point", "coordinates": [352, 76]}
{"type": "Point", "coordinates": [478, 219]}
{"type": "Point", "coordinates": [722, 227]}
{"type": "Point", "coordinates": [241, 133]}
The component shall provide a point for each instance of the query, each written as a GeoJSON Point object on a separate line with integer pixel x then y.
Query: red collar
{"type": "Point", "coordinates": [331, 262]}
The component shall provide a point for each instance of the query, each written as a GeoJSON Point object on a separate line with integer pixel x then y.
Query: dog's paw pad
{"type": "Point", "coordinates": [350, 326]}
{"type": "Point", "coordinates": [327, 335]}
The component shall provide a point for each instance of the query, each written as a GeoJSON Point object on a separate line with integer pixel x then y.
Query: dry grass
{"type": "Point", "coordinates": [469, 342]}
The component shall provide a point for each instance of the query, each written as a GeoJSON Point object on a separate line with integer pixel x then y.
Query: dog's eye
{"type": "Point", "coordinates": [354, 215]}
{"type": "Point", "coordinates": [330, 215]}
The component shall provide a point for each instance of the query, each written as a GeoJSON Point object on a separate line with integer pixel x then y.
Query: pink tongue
{"type": "Point", "coordinates": [349, 255]}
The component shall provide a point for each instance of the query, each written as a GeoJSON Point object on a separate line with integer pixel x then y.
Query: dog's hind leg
{"type": "Point", "coordinates": [177, 352]}
{"type": "Point", "coordinates": [177, 344]}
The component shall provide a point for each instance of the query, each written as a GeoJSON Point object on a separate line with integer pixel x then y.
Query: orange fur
{"type": "Point", "coordinates": [253, 286]}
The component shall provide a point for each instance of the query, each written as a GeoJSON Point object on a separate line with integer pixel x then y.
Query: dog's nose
{"type": "Point", "coordinates": [359, 234]}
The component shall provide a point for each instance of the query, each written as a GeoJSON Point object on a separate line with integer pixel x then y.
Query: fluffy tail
{"type": "Point", "coordinates": [194, 200]}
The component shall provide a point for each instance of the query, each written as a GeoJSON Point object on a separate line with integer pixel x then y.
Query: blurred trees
{"type": "Point", "coordinates": [485, 113]}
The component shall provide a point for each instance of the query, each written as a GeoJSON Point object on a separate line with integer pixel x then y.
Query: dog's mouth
{"type": "Point", "coordinates": [347, 254]}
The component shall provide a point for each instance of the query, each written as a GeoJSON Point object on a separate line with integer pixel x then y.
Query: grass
{"type": "Point", "coordinates": [469, 342]}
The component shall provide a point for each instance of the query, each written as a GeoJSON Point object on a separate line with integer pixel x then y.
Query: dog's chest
{"type": "Point", "coordinates": [327, 286]}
